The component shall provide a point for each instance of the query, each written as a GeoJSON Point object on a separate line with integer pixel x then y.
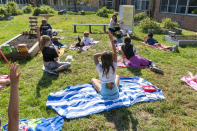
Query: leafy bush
{"type": "Point", "coordinates": [147, 23]}
{"type": "Point", "coordinates": [103, 12]}
{"type": "Point", "coordinates": [27, 9]}
{"type": "Point", "coordinates": [43, 10]}
{"type": "Point", "coordinates": [19, 12]}
{"type": "Point", "coordinates": [2, 11]}
{"type": "Point", "coordinates": [169, 24]}
{"type": "Point", "coordinates": [11, 8]}
{"type": "Point", "coordinates": [194, 11]}
{"type": "Point", "coordinates": [140, 16]}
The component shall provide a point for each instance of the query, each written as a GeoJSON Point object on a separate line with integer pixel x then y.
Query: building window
{"type": "Point", "coordinates": [141, 4]}
{"type": "Point", "coordinates": [123, 2]}
{"type": "Point", "coordinates": [187, 7]}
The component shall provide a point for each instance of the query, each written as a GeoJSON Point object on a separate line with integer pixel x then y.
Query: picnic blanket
{"type": "Point", "coordinates": [83, 100]}
{"type": "Point", "coordinates": [190, 82]}
{"type": "Point", "coordinates": [121, 64]}
{"type": "Point", "coordinates": [2, 82]}
{"type": "Point", "coordinates": [41, 124]}
{"type": "Point", "coordinates": [84, 48]}
{"type": "Point", "coordinates": [158, 46]}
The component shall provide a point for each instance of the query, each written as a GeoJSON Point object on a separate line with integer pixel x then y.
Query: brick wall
{"type": "Point", "coordinates": [187, 22]}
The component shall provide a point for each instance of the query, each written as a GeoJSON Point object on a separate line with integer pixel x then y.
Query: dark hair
{"type": "Point", "coordinates": [150, 35]}
{"type": "Point", "coordinates": [44, 21]}
{"type": "Point", "coordinates": [107, 62]}
{"type": "Point", "coordinates": [119, 35]}
{"type": "Point", "coordinates": [128, 48]}
{"type": "Point", "coordinates": [115, 19]}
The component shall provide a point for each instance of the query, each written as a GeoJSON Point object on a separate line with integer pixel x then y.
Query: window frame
{"type": "Point", "coordinates": [177, 1]}
{"type": "Point", "coordinates": [140, 5]}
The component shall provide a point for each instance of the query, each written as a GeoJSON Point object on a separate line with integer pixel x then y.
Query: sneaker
{"type": "Point", "coordinates": [175, 48]}
{"type": "Point", "coordinates": [156, 70]}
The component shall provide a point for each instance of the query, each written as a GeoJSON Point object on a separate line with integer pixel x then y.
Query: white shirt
{"type": "Point", "coordinates": [111, 76]}
{"type": "Point", "coordinates": [112, 23]}
{"type": "Point", "coordinates": [86, 40]}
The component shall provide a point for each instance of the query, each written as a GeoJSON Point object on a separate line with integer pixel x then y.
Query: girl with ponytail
{"type": "Point", "coordinates": [108, 84]}
{"type": "Point", "coordinates": [129, 52]}
{"type": "Point", "coordinates": [50, 54]}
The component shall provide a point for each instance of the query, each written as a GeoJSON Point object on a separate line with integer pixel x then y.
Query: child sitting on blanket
{"type": "Point", "coordinates": [50, 54]}
{"type": "Point", "coordinates": [46, 29]}
{"type": "Point", "coordinates": [118, 39]}
{"type": "Point", "coordinates": [108, 84]}
{"type": "Point", "coordinates": [85, 40]}
{"type": "Point", "coordinates": [136, 61]}
{"type": "Point", "coordinates": [56, 42]}
{"type": "Point", "coordinates": [151, 41]}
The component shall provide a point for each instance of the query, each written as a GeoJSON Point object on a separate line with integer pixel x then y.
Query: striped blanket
{"type": "Point", "coordinates": [83, 100]}
{"type": "Point", "coordinates": [158, 46]}
{"type": "Point", "coordinates": [40, 124]}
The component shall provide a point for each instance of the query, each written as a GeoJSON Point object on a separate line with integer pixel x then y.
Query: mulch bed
{"type": "Point", "coordinates": [23, 39]}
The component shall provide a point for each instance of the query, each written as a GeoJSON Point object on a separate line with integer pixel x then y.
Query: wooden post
{"type": "Point", "coordinates": [105, 28]}
{"type": "Point", "coordinates": [90, 30]}
{"type": "Point", "coordinates": [75, 29]}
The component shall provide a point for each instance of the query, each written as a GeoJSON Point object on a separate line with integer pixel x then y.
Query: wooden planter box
{"type": "Point", "coordinates": [31, 51]}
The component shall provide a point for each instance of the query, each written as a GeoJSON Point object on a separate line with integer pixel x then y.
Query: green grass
{"type": "Point", "coordinates": [176, 112]}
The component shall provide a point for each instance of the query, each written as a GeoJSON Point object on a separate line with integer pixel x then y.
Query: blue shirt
{"type": "Point", "coordinates": [151, 41]}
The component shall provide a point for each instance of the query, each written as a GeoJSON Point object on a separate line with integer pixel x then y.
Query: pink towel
{"type": "Point", "coordinates": [190, 82]}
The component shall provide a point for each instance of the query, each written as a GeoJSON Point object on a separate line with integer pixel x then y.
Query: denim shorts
{"type": "Point", "coordinates": [109, 93]}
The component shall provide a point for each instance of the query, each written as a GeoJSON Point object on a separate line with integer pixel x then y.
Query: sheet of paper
{"type": "Point", "coordinates": [127, 15]}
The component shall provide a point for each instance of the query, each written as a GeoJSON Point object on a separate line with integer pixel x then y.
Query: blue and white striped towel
{"type": "Point", "coordinates": [83, 100]}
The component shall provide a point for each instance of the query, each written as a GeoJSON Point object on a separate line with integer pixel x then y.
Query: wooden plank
{"type": "Point", "coordinates": [33, 21]}
{"type": "Point", "coordinates": [91, 24]}
{"type": "Point", "coordinates": [33, 18]}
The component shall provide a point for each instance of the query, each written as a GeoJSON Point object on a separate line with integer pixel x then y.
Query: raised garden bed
{"type": "Point", "coordinates": [32, 46]}
{"type": "Point", "coordinates": [7, 18]}
{"type": "Point", "coordinates": [182, 40]}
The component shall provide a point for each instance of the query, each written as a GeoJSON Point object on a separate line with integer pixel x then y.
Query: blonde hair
{"type": "Point", "coordinates": [86, 34]}
{"type": "Point", "coordinates": [54, 38]}
{"type": "Point", "coordinates": [43, 41]}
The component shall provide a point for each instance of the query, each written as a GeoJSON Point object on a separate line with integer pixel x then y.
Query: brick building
{"type": "Point", "coordinates": [182, 11]}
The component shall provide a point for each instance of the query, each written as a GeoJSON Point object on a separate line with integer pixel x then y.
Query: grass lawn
{"type": "Point", "coordinates": [176, 112]}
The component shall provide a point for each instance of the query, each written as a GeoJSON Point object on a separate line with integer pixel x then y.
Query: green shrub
{"type": "Point", "coordinates": [19, 12]}
{"type": "Point", "coordinates": [194, 11]}
{"type": "Point", "coordinates": [43, 10]}
{"type": "Point", "coordinates": [2, 11]}
{"type": "Point", "coordinates": [103, 12]}
{"type": "Point", "coordinates": [147, 23]}
{"type": "Point", "coordinates": [11, 8]}
{"type": "Point", "coordinates": [169, 24]}
{"type": "Point", "coordinates": [27, 9]}
{"type": "Point", "coordinates": [140, 16]}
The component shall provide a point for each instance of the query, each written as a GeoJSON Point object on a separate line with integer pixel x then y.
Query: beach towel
{"type": "Point", "coordinates": [158, 46]}
{"type": "Point", "coordinates": [121, 64]}
{"type": "Point", "coordinates": [3, 81]}
{"type": "Point", "coordinates": [84, 48]}
{"type": "Point", "coordinates": [190, 82]}
{"type": "Point", "coordinates": [83, 100]}
{"type": "Point", "coordinates": [41, 124]}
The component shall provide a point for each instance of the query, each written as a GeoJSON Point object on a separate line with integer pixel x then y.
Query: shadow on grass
{"type": "Point", "coordinates": [45, 82]}
{"type": "Point", "coordinates": [137, 38]}
{"type": "Point", "coordinates": [122, 119]}
{"type": "Point", "coordinates": [135, 71]}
